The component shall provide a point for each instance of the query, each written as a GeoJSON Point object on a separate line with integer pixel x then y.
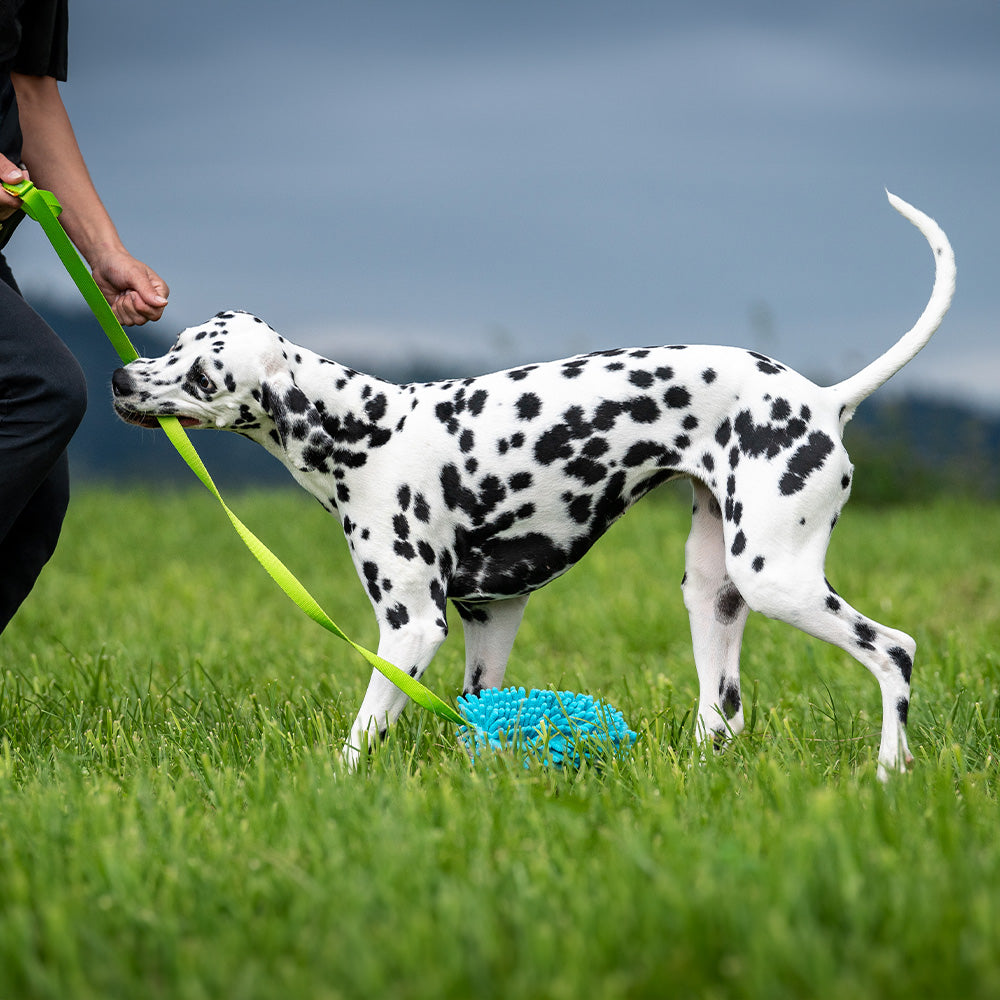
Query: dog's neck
{"type": "Point", "coordinates": [320, 417]}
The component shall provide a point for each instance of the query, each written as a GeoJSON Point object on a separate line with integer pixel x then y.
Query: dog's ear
{"type": "Point", "coordinates": [275, 390]}
{"type": "Point", "coordinates": [292, 411]}
{"type": "Point", "coordinates": [272, 394]}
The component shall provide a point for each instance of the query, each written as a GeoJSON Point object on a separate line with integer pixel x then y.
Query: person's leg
{"type": "Point", "coordinates": [32, 539]}
{"type": "Point", "coordinates": [42, 401]}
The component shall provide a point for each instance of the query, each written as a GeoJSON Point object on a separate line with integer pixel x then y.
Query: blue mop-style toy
{"type": "Point", "coordinates": [554, 727]}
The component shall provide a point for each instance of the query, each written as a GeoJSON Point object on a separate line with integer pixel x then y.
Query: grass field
{"type": "Point", "coordinates": [174, 822]}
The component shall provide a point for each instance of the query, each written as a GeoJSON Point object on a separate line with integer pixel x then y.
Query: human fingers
{"type": "Point", "coordinates": [10, 173]}
{"type": "Point", "coordinates": [131, 309]}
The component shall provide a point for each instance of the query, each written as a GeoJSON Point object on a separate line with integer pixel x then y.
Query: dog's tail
{"type": "Point", "coordinates": [859, 387]}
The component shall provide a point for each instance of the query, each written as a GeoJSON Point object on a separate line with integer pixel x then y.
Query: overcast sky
{"type": "Point", "coordinates": [508, 181]}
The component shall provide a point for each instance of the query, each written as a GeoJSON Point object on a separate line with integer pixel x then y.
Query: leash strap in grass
{"type": "Point", "coordinates": [43, 207]}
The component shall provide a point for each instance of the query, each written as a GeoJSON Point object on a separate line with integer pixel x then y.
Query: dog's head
{"type": "Point", "coordinates": [215, 375]}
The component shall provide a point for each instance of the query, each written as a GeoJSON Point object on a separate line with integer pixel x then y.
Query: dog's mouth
{"type": "Point", "coordinates": [151, 420]}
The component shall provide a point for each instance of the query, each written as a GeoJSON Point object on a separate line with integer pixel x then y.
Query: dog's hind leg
{"type": "Point", "coordinates": [490, 629]}
{"type": "Point", "coordinates": [793, 589]}
{"type": "Point", "coordinates": [718, 615]}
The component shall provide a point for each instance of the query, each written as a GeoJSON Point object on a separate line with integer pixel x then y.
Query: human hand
{"type": "Point", "coordinates": [10, 173]}
{"type": "Point", "coordinates": [135, 292]}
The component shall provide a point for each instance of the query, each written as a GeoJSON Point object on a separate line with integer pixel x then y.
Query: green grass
{"type": "Point", "coordinates": [174, 821]}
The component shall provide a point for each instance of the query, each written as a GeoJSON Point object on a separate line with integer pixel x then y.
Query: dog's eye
{"type": "Point", "coordinates": [205, 383]}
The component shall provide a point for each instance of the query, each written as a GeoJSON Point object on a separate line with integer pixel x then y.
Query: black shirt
{"type": "Point", "coordinates": [34, 41]}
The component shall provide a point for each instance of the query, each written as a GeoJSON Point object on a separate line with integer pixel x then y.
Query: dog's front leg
{"type": "Point", "coordinates": [411, 648]}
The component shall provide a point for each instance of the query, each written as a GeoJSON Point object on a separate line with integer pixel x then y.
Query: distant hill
{"type": "Point", "coordinates": [905, 447]}
{"type": "Point", "coordinates": [911, 446]}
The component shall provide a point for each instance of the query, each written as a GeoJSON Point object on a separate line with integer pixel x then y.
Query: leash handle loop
{"type": "Point", "coordinates": [44, 208]}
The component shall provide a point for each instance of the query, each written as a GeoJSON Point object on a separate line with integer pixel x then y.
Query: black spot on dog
{"type": "Point", "coordinates": [902, 660]}
{"type": "Point", "coordinates": [647, 451]}
{"type": "Point", "coordinates": [421, 509]}
{"type": "Point", "coordinates": [476, 685]}
{"type": "Point", "coordinates": [728, 604]}
{"type": "Point", "coordinates": [865, 635]}
{"type": "Point", "coordinates": [553, 444]}
{"type": "Point", "coordinates": [404, 550]}
{"type": "Point", "coordinates": [370, 571]}
{"type": "Point", "coordinates": [739, 544]}
{"type": "Point", "coordinates": [606, 414]}
{"type": "Point", "coordinates": [766, 364]}
{"type": "Point", "coordinates": [477, 401]}
{"type": "Point", "coordinates": [677, 397]}
{"type": "Point", "coordinates": [375, 408]}
{"type": "Point", "coordinates": [397, 616]}
{"type": "Point", "coordinates": [587, 471]}
{"type": "Point", "coordinates": [806, 460]}
{"type": "Point", "coordinates": [578, 506]}
{"type": "Point", "coordinates": [454, 494]}
{"type": "Point", "coordinates": [643, 410]}
{"type": "Point", "coordinates": [492, 492]}
{"type": "Point", "coordinates": [729, 699]}
{"type": "Point", "coordinates": [767, 440]}
{"type": "Point", "coordinates": [528, 406]}
{"type": "Point", "coordinates": [734, 511]}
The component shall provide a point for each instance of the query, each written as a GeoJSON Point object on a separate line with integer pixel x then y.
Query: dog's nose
{"type": "Point", "coordinates": [121, 383]}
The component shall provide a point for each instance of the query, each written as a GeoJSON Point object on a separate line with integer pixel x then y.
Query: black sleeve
{"type": "Point", "coordinates": [44, 39]}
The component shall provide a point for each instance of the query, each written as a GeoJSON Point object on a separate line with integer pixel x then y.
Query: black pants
{"type": "Point", "coordinates": [43, 396]}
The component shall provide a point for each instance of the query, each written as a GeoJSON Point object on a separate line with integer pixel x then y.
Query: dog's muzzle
{"type": "Point", "coordinates": [126, 391]}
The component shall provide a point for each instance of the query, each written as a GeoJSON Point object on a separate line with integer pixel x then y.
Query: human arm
{"type": "Point", "coordinates": [51, 154]}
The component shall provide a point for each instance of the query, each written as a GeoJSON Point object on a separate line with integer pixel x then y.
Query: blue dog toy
{"type": "Point", "coordinates": [554, 727]}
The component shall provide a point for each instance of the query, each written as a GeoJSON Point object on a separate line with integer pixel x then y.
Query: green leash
{"type": "Point", "coordinates": [43, 207]}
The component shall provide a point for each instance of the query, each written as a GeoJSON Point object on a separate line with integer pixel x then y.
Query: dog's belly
{"type": "Point", "coordinates": [495, 564]}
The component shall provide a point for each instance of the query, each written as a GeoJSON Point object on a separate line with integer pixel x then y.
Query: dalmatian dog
{"type": "Point", "coordinates": [482, 490]}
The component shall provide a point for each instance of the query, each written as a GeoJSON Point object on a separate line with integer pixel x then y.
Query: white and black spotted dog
{"type": "Point", "coordinates": [482, 490]}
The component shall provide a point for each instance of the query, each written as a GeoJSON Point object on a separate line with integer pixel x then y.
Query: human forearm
{"type": "Point", "coordinates": [53, 158]}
